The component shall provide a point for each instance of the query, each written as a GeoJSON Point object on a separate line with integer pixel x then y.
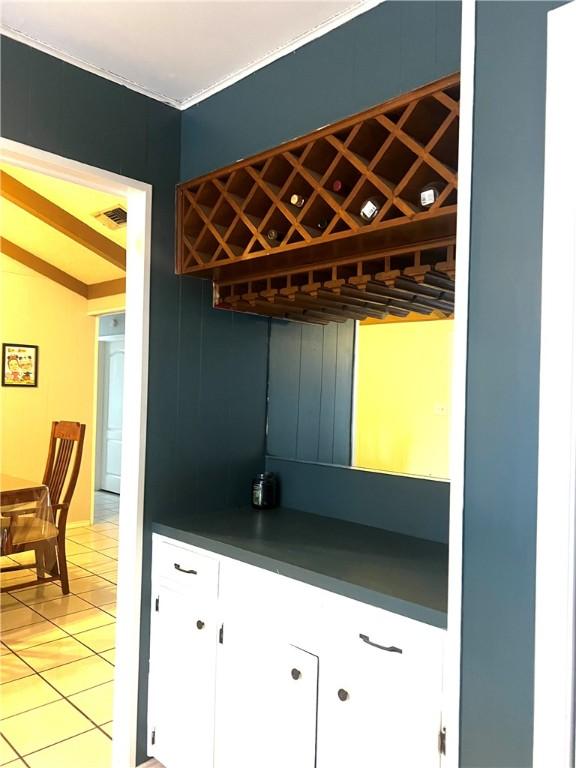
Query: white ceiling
{"type": "Point", "coordinates": [178, 51]}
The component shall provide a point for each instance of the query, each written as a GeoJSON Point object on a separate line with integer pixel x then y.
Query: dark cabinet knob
{"type": "Point", "coordinates": [296, 674]}
{"type": "Point", "coordinates": [200, 624]}
{"type": "Point", "coordinates": [343, 695]}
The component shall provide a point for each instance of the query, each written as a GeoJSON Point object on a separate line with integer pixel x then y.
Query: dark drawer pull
{"type": "Point", "coordinates": [389, 648]}
{"type": "Point", "coordinates": [183, 570]}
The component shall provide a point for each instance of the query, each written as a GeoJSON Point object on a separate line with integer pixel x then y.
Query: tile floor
{"type": "Point", "coordinates": [57, 655]}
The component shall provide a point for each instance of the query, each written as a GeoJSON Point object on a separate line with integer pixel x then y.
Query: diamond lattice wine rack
{"type": "Point", "coordinates": [335, 225]}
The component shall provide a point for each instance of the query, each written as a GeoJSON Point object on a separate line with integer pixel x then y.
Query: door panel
{"type": "Point", "coordinates": [112, 383]}
{"type": "Point", "coordinates": [266, 704]}
{"type": "Point", "coordinates": [379, 708]}
{"type": "Point", "coordinates": [182, 680]}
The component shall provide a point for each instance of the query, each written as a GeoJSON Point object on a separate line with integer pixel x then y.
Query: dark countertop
{"type": "Point", "coordinates": [402, 574]}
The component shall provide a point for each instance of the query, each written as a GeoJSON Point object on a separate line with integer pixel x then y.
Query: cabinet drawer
{"type": "Point", "coordinates": [354, 625]}
{"type": "Point", "coordinates": [185, 567]}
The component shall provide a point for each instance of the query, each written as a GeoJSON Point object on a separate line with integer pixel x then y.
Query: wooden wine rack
{"type": "Point", "coordinates": [403, 258]}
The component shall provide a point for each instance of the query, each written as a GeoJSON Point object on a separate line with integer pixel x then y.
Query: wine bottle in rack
{"type": "Point", "coordinates": [430, 193]}
{"type": "Point", "coordinates": [322, 224]}
{"type": "Point", "coordinates": [370, 208]}
{"type": "Point", "coordinates": [297, 200]}
{"type": "Point", "coordinates": [339, 187]}
{"type": "Point", "coordinates": [273, 236]}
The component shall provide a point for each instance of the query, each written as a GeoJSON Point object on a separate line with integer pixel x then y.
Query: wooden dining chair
{"type": "Point", "coordinates": [48, 540]}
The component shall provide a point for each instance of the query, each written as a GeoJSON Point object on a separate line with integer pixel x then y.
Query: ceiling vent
{"type": "Point", "coordinates": [113, 218]}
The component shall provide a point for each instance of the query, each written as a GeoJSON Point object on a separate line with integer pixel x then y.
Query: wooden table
{"type": "Point", "coordinates": [21, 497]}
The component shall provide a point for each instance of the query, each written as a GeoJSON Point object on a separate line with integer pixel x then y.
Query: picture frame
{"type": "Point", "coordinates": [19, 365]}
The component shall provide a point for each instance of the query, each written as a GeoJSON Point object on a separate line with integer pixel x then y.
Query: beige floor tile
{"type": "Point", "coordinates": [90, 750]}
{"type": "Point", "coordinates": [7, 754]}
{"type": "Point", "coordinates": [54, 654]}
{"type": "Point", "coordinates": [72, 548]}
{"type": "Point", "coordinates": [61, 606]}
{"type": "Point", "coordinates": [39, 594]}
{"type": "Point", "coordinates": [88, 584]}
{"type": "Point", "coordinates": [88, 558]}
{"type": "Point", "coordinates": [79, 675]}
{"type": "Point", "coordinates": [18, 617]}
{"type": "Point", "coordinates": [112, 533]}
{"type": "Point", "coordinates": [108, 727]}
{"type": "Point", "coordinates": [14, 579]}
{"type": "Point", "coordinates": [4, 650]}
{"type": "Point", "coordinates": [94, 540]}
{"type": "Point", "coordinates": [44, 726]}
{"type": "Point", "coordinates": [22, 695]}
{"type": "Point", "coordinates": [109, 608]}
{"type": "Point", "coordinates": [104, 528]}
{"type": "Point", "coordinates": [24, 558]}
{"type": "Point", "coordinates": [100, 639]}
{"type": "Point", "coordinates": [111, 552]}
{"type": "Point", "coordinates": [96, 703]}
{"type": "Point", "coordinates": [12, 668]}
{"type": "Point", "coordinates": [73, 533]}
{"type": "Point", "coordinates": [15, 764]}
{"type": "Point", "coordinates": [102, 569]}
{"type": "Point", "coordinates": [75, 572]}
{"type": "Point", "coordinates": [83, 620]}
{"type": "Point", "coordinates": [106, 594]}
{"type": "Point", "coordinates": [8, 602]}
{"type": "Point", "coordinates": [34, 634]}
{"type": "Point", "coordinates": [109, 655]}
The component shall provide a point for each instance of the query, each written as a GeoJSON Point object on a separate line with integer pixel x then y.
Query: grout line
{"type": "Point", "coordinates": [16, 751]}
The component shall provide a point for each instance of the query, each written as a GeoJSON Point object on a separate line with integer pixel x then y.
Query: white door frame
{"type": "Point", "coordinates": [139, 198]}
{"type": "Point", "coordinates": [555, 594]}
{"type": "Point", "coordinates": [452, 656]}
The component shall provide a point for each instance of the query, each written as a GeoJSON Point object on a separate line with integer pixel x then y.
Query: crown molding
{"type": "Point", "coordinates": [182, 104]}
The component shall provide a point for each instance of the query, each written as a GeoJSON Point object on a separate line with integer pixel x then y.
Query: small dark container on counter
{"type": "Point", "coordinates": [265, 491]}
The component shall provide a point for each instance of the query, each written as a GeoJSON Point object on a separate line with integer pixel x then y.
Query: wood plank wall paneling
{"type": "Point", "coordinates": [310, 381]}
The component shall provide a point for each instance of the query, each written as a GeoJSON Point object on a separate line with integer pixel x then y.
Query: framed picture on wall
{"type": "Point", "coordinates": [19, 365]}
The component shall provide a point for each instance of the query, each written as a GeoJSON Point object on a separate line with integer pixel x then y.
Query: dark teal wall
{"type": "Point", "coordinates": [398, 503]}
{"type": "Point", "coordinates": [502, 394]}
{"type": "Point", "coordinates": [394, 48]}
{"type": "Point", "coordinates": [207, 370]}
{"type": "Point", "coordinates": [310, 383]}
{"type": "Point", "coordinates": [49, 104]}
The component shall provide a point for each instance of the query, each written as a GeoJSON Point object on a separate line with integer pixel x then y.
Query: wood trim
{"type": "Point", "coordinates": [94, 291]}
{"type": "Point", "coordinates": [28, 259]}
{"type": "Point", "coordinates": [106, 288]}
{"type": "Point", "coordinates": [50, 213]}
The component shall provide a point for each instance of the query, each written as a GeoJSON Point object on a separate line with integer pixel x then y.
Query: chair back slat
{"type": "Point", "coordinates": [65, 437]}
{"type": "Point", "coordinates": [60, 469]}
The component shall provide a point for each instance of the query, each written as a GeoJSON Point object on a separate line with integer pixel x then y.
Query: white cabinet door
{"type": "Point", "coordinates": [182, 679]}
{"type": "Point", "coordinates": [266, 703]}
{"type": "Point", "coordinates": [378, 709]}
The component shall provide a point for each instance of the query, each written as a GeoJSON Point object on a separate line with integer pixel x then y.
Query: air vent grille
{"type": "Point", "coordinates": [113, 218]}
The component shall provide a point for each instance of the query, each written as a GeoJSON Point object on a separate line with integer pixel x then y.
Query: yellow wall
{"type": "Point", "coordinates": [402, 397]}
{"type": "Point", "coordinates": [35, 310]}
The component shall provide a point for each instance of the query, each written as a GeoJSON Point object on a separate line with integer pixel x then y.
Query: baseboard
{"type": "Point", "coordinates": [151, 764]}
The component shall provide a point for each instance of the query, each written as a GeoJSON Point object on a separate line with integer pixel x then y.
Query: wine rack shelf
{"type": "Point", "coordinates": [269, 256]}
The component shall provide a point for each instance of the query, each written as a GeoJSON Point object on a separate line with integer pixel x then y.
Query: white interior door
{"type": "Point", "coordinates": [112, 385]}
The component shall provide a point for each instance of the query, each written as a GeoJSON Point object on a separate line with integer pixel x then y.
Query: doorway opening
{"type": "Point", "coordinates": [132, 414]}
{"type": "Point", "coordinates": [109, 397]}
